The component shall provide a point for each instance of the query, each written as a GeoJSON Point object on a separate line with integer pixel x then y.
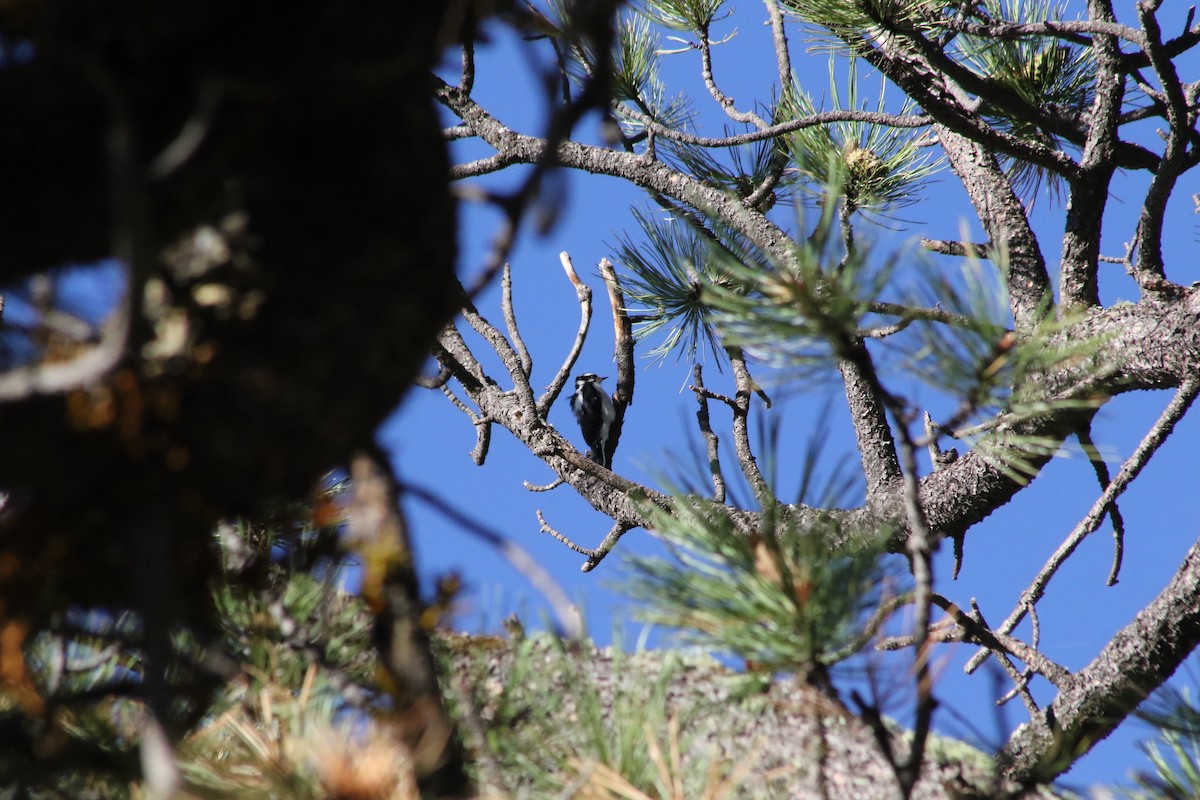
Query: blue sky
{"type": "Point", "coordinates": [431, 440]}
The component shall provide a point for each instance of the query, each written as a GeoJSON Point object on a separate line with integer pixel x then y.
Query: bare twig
{"type": "Point", "coordinates": [191, 135]}
{"type": "Point", "coordinates": [926, 314]}
{"type": "Point", "coordinates": [595, 555]}
{"type": "Point", "coordinates": [504, 349]}
{"type": "Point", "coordinates": [1113, 510]}
{"type": "Point", "coordinates": [564, 610]}
{"type": "Point", "coordinates": [88, 367]}
{"type": "Point", "coordinates": [483, 441]}
{"type": "Point", "coordinates": [623, 341]}
{"type": "Point", "coordinates": [606, 545]}
{"type": "Point", "coordinates": [711, 442]}
{"type": "Point", "coordinates": [534, 487]}
{"type": "Point", "coordinates": [481, 166]}
{"type": "Point", "coordinates": [510, 321]}
{"type": "Point", "coordinates": [783, 59]}
{"type": "Point", "coordinates": [783, 62]}
{"type": "Point", "coordinates": [724, 101]}
{"type": "Point", "coordinates": [502, 244]}
{"type": "Point", "coordinates": [1132, 467]}
{"type": "Point", "coordinates": [920, 551]}
{"type": "Point", "coordinates": [466, 81]}
{"type": "Point", "coordinates": [433, 381]}
{"type": "Point", "coordinates": [931, 442]}
{"type": "Point", "coordinates": [945, 248]}
{"type": "Point", "coordinates": [959, 627]}
{"type": "Point", "coordinates": [483, 426]}
{"type": "Point", "coordinates": [1020, 679]}
{"type": "Point", "coordinates": [775, 131]}
{"type": "Point", "coordinates": [957, 539]}
{"type": "Point", "coordinates": [884, 331]}
{"type": "Point", "coordinates": [584, 294]}
{"type": "Point", "coordinates": [972, 628]}
{"type": "Point", "coordinates": [546, 527]}
{"type": "Point", "coordinates": [710, 394]}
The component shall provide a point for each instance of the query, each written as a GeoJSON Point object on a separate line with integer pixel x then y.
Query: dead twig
{"type": "Point", "coordinates": [583, 294]}
{"type": "Point", "coordinates": [711, 442]}
{"type": "Point", "coordinates": [1132, 467]}
{"type": "Point", "coordinates": [565, 611]}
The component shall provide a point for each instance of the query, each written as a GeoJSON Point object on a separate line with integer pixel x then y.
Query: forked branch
{"type": "Point", "coordinates": [1132, 467]}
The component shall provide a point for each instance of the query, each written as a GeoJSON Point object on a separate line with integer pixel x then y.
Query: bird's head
{"type": "Point", "coordinates": [588, 377]}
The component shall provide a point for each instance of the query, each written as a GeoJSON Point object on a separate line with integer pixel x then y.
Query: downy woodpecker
{"type": "Point", "coordinates": [594, 409]}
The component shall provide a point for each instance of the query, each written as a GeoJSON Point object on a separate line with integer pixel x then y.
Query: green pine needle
{"type": "Point", "coordinates": [783, 599]}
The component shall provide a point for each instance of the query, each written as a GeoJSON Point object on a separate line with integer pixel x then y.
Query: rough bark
{"type": "Point", "coordinates": [1138, 659]}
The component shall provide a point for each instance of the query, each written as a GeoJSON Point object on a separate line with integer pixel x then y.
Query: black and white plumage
{"type": "Point", "coordinates": [593, 408]}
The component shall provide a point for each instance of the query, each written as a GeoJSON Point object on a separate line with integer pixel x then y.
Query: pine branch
{"type": "Point", "coordinates": [1137, 660]}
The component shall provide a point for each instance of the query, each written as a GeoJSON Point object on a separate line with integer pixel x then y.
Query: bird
{"type": "Point", "coordinates": [594, 410]}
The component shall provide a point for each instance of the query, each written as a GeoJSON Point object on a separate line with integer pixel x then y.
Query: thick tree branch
{"type": "Point", "coordinates": [623, 342]}
{"type": "Point", "coordinates": [1074, 31]}
{"type": "Point", "coordinates": [915, 65]}
{"type": "Point", "coordinates": [1004, 219]}
{"type": "Point", "coordinates": [1139, 659]}
{"type": "Point", "coordinates": [918, 55]}
{"type": "Point", "coordinates": [876, 445]}
{"type": "Point", "coordinates": [482, 166]}
{"type": "Point", "coordinates": [1148, 264]}
{"type": "Point", "coordinates": [652, 175]}
{"type": "Point", "coordinates": [1089, 189]}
